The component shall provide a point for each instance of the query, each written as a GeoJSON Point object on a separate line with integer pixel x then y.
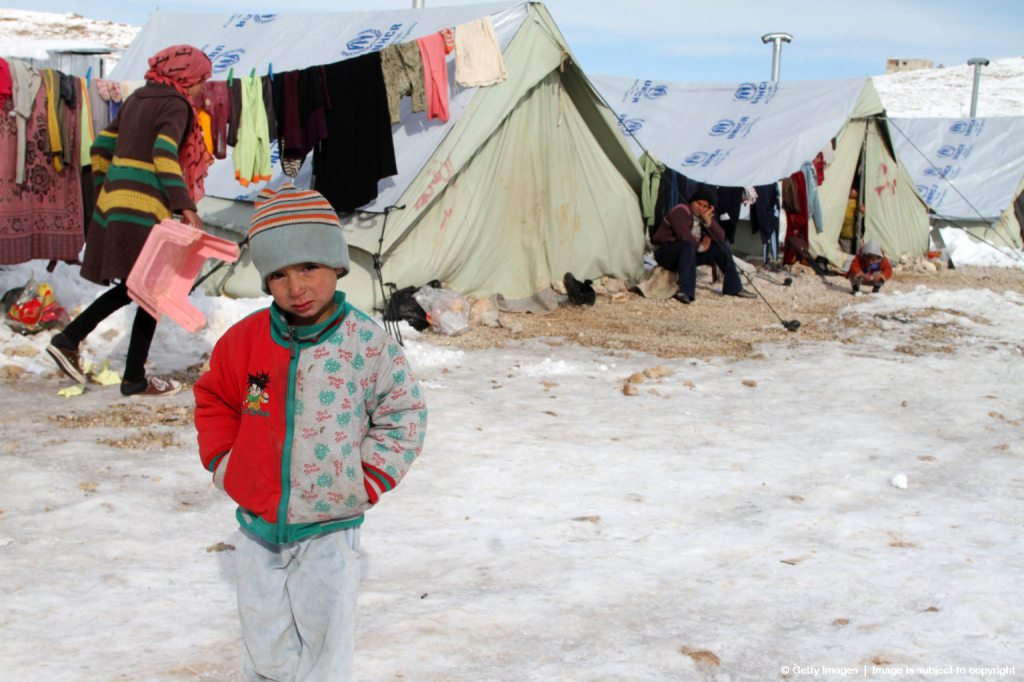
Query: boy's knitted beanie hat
{"type": "Point", "coordinates": [292, 225]}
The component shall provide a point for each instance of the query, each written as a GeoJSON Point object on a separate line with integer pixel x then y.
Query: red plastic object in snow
{"type": "Point", "coordinates": [170, 260]}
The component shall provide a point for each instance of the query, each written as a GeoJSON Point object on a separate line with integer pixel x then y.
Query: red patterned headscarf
{"type": "Point", "coordinates": [181, 67]}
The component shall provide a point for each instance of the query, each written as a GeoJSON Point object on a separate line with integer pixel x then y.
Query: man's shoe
{"type": "Point", "coordinates": [743, 293]}
{"type": "Point", "coordinates": [69, 362]}
{"type": "Point", "coordinates": [682, 297]}
{"type": "Point", "coordinates": [151, 387]}
{"type": "Point", "coordinates": [875, 288]}
{"type": "Point", "coordinates": [856, 287]}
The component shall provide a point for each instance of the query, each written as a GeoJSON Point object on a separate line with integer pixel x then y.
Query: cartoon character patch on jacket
{"type": "Point", "coordinates": [257, 395]}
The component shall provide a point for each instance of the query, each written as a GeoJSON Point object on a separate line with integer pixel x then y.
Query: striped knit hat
{"type": "Point", "coordinates": [292, 225]}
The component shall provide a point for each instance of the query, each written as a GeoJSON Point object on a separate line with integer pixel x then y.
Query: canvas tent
{"type": "Point", "coordinates": [969, 171]}
{"type": "Point", "coordinates": [752, 134]}
{"type": "Point", "coordinates": [528, 180]}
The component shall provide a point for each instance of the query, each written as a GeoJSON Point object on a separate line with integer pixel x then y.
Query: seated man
{"type": "Point", "coordinates": [690, 236]}
{"type": "Point", "coordinates": [869, 266]}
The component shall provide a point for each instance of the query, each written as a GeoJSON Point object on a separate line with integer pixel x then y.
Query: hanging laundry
{"type": "Point", "coordinates": [26, 82]}
{"type": "Point", "coordinates": [301, 102]}
{"type": "Point", "coordinates": [5, 82]}
{"type": "Point", "coordinates": [449, 39]}
{"type": "Point", "coordinates": [764, 217]}
{"type": "Point", "coordinates": [652, 171]}
{"type": "Point", "coordinates": [87, 134]}
{"type": "Point", "coordinates": [810, 174]}
{"type": "Point", "coordinates": [478, 59]}
{"type": "Point", "coordinates": [86, 131]}
{"type": "Point", "coordinates": [251, 155]}
{"type": "Point", "coordinates": [435, 75]}
{"type": "Point", "coordinates": [289, 124]}
{"type": "Point", "coordinates": [268, 106]}
{"type": "Point", "coordinates": [57, 104]}
{"type": "Point", "coordinates": [403, 75]}
{"type": "Point", "coordinates": [235, 115]}
{"type": "Point", "coordinates": [216, 102]}
{"type": "Point", "coordinates": [828, 154]}
{"type": "Point", "coordinates": [110, 92]}
{"type": "Point", "coordinates": [99, 107]}
{"type": "Point", "coordinates": [728, 209]}
{"type": "Point", "coordinates": [819, 168]}
{"type": "Point", "coordinates": [206, 125]}
{"type": "Point", "coordinates": [359, 149]}
{"type": "Point", "coordinates": [41, 217]}
{"type": "Point", "coordinates": [54, 147]}
{"type": "Point", "coordinates": [794, 200]}
{"type": "Point", "coordinates": [314, 103]}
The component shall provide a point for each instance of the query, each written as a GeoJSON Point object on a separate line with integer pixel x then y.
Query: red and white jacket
{"type": "Point", "coordinates": [308, 426]}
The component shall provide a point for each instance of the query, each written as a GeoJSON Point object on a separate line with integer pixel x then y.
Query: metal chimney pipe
{"type": "Point", "coordinates": [977, 63]}
{"type": "Point", "coordinates": [417, 4]}
{"type": "Point", "coordinates": [776, 39]}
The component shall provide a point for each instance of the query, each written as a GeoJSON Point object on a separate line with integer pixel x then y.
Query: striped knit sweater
{"type": "Point", "coordinates": [138, 179]}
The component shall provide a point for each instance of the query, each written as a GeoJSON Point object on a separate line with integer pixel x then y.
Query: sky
{"type": "Point", "coordinates": [827, 511]}
{"type": "Point", "coordinates": [707, 42]}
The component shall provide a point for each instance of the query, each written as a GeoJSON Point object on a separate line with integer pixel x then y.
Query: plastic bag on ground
{"type": "Point", "coordinates": [447, 311]}
{"type": "Point", "coordinates": [33, 308]}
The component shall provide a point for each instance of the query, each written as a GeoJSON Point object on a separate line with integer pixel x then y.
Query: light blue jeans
{"type": "Point", "coordinates": [297, 606]}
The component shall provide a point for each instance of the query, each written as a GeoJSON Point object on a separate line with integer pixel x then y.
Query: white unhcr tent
{"type": "Point", "coordinates": [969, 171]}
{"type": "Point", "coordinates": [752, 134]}
{"type": "Point", "coordinates": [529, 179]}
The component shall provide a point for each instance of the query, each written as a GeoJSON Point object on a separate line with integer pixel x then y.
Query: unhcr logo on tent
{"type": "Point", "coordinates": [223, 59]}
{"type": "Point", "coordinates": [630, 126]}
{"type": "Point", "coordinates": [971, 126]}
{"type": "Point", "coordinates": [371, 39]}
{"type": "Point", "coordinates": [954, 152]}
{"type": "Point", "coordinates": [240, 20]}
{"type": "Point", "coordinates": [730, 128]}
{"type": "Point", "coordinates": [947, 172]}
{"type": "Point", "coordinates": [705, 159]}
{"type": "Point", "coordinates": [755, 93]}
{"type": "Point", "coordinates": [645, 90]}
{"type": "Point", "coordinates": [930, 194]}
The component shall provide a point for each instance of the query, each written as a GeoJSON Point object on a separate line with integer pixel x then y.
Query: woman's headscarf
{"type": "Point", "coordinates": [181, 67]}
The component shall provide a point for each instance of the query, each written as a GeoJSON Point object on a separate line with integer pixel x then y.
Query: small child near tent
{"type": "Point", "coordinates": [308, 415]}
{"type": "Point", "coordinates": [869, 267]}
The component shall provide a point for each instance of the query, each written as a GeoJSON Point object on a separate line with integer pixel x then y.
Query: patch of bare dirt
{"type": "Point", "coordinates": [716, 325]}
{"type": "Point", "coordinates": [142, 440]}
{"type": "Point", "coordinates": [120, 415]}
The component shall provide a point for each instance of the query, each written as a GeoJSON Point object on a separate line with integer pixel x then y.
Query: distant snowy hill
{"type": "Point", "coordinates": [25, 34]}
{"type": "Point", "coordinates": [944, 92]}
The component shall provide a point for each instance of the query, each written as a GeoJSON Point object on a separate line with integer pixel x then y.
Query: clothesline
{"type": "Point", "coordinates": [304, 110]}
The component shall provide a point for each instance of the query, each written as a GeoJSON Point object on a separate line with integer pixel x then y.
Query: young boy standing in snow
{"type": "Point", "coordinates": [308, 414]}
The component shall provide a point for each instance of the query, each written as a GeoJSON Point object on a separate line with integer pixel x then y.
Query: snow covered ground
{"type": "Point", "coordinates": [853, 507]}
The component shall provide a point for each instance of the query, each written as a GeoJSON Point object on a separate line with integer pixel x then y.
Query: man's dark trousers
{"type": "Point", "coordinates": [682, 257]}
